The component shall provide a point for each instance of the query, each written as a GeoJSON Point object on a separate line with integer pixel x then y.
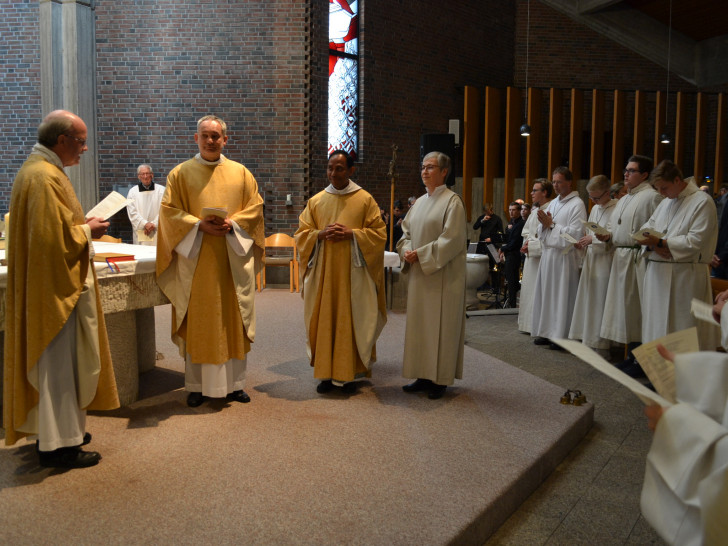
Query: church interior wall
{"type": "Point", "coordinates": [262, 66]}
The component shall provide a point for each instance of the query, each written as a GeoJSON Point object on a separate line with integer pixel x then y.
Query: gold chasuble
{"type": "Point", "coordinates": [343, 284]}
{"type": "Point", "coordinates": [212, 292]}
{"type": "Point", "coordinates": [49, 252]}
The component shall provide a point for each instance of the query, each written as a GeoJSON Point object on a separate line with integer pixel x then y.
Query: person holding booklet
{"type": "Point", "coordinates": [57, 359]}
{"type": "Point", "coordinates": [685, 491]}
{"type": "Point", "coordinates": [622, 321]}
{"type": "Point", "coordinates": [209, 248]}
{"type": "Point", "coordinates": [143, 207]}
{"type": "Point", "coordinates": [592, 293]}
{"type": "Point", "coordinates": [678, 263]}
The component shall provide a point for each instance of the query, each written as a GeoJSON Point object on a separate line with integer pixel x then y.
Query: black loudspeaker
{"type": "Point", "coordinates": [440, 142]}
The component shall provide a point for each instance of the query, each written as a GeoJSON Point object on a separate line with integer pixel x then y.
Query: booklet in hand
{"type": "Point", "coordinates": [213, 211]}
{"type": "Point", "coordinates": [641, 234]}
{"type": "Point", "coordinates": [109, 205]}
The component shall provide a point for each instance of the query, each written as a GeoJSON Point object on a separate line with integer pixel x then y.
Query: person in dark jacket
{"type": "Point", "coordinates": [511, 250]}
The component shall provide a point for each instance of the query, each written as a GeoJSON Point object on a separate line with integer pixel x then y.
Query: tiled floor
{"type": "Point", "coordinates": [593, 496]}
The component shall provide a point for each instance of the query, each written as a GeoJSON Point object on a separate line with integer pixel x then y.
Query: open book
{"type": "Point", "coordinates": [659, 371]}
{"type": "Point", "coordinates": [585, 353]}
{"type": "Point", "coordinates": [109, 205]}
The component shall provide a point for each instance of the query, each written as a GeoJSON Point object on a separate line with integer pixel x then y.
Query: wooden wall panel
{"type": "Point", "coordinates": [617, 163]}
{"type": "Point", "coordinates": [556, 118]}
{"type": "Point", "coordinates": [533, 144]}
{"type": "Point", "coordinates": [576, 126]}
{"type": "Point", "coordinates": [701, 129]}
{"type": "Point", "coordinates": [514, 120]}
{"type": "Point", "coordinates": [491, 141]}
{"type": "Point", "coordinates": [681, 126]}
{"type": "Point", "coordinates": [638, 136]}
{"type": "Point", "coordinates": [471, 144]}
{"type": "Point", "coordinates": [720, 143]}
{"type": "Point", "coordinates": [596, 153]}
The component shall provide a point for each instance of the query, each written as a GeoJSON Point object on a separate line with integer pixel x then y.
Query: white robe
{"type": "Point", "coordinates": [684, 496]}
{"type": "Point", "coordinates": [622, 309]}
{"type": "Point", "coordinates": [592, 293]}
{"type": "Point", "coordinates": [436, 227]}
{"type": "Point", "coordinates": [558, 273]}
{"type": "Point", "coordinates": [143, 207]}
{"type": "Point", "coordinates": [530, 269]}
{"type": "Point", "coordinates": [690, 224]}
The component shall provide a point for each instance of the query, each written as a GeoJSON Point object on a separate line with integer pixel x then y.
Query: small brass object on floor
{"type": "Point", "coordinates": [573, 397]}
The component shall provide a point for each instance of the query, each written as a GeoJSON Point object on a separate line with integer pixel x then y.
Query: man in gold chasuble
{"type": "Point", "coordinates": [57, 359]}
{"type": "Point", "coordinates": [340, 239]}
{"type": "Point", "coordinates": [209, 249]}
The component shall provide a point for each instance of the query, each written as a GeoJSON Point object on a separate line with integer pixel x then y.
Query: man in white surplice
{"type": "Point", "coordinates": [622, 321]}
{"type": "Point", "coordinates": [685, 493]}
{"type": "Point", "coordinates": [558, 273]}
{"type": "Point", "coordinates": [143, 207]}
{"type": "Point", "coordinates": [678, 262]}
{"type": "Point", "coordinates": [541, 195]}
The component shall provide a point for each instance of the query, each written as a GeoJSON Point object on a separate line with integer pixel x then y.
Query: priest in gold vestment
{"type": "Point", "coordinates": [57, 360]}
{"type": "Point", "coordinates": [340, 239]}
{"type": "Point", "coordinates": [209, 249]}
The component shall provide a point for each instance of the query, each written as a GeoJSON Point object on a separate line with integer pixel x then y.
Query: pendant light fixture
{"type": "Point", "coordinates": [526, 128]}
{"type": "Point", "coordinates": [665, 136]}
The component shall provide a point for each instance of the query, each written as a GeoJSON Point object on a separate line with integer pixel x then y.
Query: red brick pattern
{"type": "Point", "coordinates": [262, 66]}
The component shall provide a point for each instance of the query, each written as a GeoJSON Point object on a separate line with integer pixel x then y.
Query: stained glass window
{"type": "Point", "coordinates": [344, 75]}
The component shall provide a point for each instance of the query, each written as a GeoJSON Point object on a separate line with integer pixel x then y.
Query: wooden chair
{"type": "Point", "coordinates": [280, 241]}
{"type": "Point", "coordinates": [717, 286]}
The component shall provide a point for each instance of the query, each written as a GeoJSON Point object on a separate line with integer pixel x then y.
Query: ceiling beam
{"type": "Point", "coordinates": [590, 6]}
{"type": "Point", "coordinates": [701, 64]}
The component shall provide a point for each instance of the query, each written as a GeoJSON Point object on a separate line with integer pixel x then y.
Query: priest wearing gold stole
{"type": "Point", "coordinates": [341, 238]}
{"type": "Point", "coordinates": [57, 360]}
{"type": "Point", "coordinates": [209, 249]}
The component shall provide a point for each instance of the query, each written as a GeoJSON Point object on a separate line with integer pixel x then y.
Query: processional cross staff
{"type": "Point", "coordinates": [392, 174]}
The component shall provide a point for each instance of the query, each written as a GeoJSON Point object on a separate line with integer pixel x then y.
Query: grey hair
{"type": "Point", "coordinates": [223, 125]}
{"type": "Point", "coordinates": [54, 125]}
{"type": "Point", "coordinates": [443, 160]}
{"type": "Point", "coordinates": [140, 167]}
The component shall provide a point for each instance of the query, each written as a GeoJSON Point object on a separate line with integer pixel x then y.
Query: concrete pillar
{"type": "Point", "coordinates": [68, 79]}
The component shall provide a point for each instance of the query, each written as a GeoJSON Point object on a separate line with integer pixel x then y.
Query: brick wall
{"type": "Point", "coordinates": [20, 109]}
{"type": "Point", "coordinates": [164, 64]}
{"type": "Point", "coordinates": [262, 66]}
{"type": "Point", "coordinates": [418, 56]}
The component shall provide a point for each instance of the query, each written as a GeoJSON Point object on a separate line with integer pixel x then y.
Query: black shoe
{"type": "Point", "coordinates": [349, 388]}
{"type": "Point", "coordinates": [68, 457]}
{"type": "Point", "coordinates": [418, 386]}
{"type": "Point", "coordinates": [325, 386]}
{"type": "Point", "coordinates": [86, 440]}
{"type": "Point", "coordinates": [555, 347]}
{"type": "Point", "coordinates": [239, 396]}
{"type": "Point", "coordinates": [194, 399]}
{"type": "Point", "coordinates": [541, 341]}
{"type": "Point", "coordinates": [437, 391]}
{"type": "Point", "coordinates": [631, 368]}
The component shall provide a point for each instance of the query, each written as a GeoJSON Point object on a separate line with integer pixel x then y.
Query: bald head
{"type": "Point", "coordinates": [65, 133]}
